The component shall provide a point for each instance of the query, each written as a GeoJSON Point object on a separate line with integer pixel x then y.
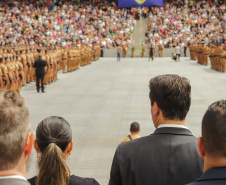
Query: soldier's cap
{"type": "Point", "coordinates": [6, 58]}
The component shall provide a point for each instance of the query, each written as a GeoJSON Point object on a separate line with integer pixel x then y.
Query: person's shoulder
{"type": "Point", "coordinates": [75, 180]}
{"type": "Point", "coordinates": [135, 143]}
{"type": "Point", "coordinates": [125, 139]}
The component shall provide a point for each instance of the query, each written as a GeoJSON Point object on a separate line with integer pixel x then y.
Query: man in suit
{"type": "Point", "coordinates": [16, 141]}
{"type": "Point", "coordinates": [212, 145]}
{"type": "Point", "coordinates": [40, 66]}
{"type": "Point", "coordinates": [170, 155]}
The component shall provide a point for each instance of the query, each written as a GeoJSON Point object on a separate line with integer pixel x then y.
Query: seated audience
{"type": "Point", "coordinates": [53, 145]}
{"type": "Point", "coordinates": [169, 155]}
{"type": "Point", "coordinates": [135, 130]}
{"type": "Point", "coordinates": [212, 145]}
{"type": "Point", "coordinates": [16, 141]}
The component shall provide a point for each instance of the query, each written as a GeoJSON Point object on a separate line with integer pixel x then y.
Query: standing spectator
{"type": "Point", "coordinates": [177, 51]}
{"type": "Point", "coordinates": [40, 65]}
{"type": "Point", "coordinates": [185, 49]}
{"type": "Point", "coordinates": [169, 155]}
{"type": "Point", "coordinates": [16, 141]}
{"type": "Point", "coordinates": [135, 130]}
{"type": "Point", "coordinates": [151, 53]}
{"type": "Point", "coordinates": [212, 145]}
{"type": "Point", "coordinates": [53, 145]}
{"type": "Point", "coordinates": [119, 52]}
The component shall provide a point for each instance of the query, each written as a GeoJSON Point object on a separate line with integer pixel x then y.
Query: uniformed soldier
{"type": "Point", "coordinates": [143, 50]}
{"type": "Point", "coordinates": [223, 61]}
{"type": "Point", "coordinates": [20, 68]}
{"type": "Point", "coordinates": [70, 59]}
{"type": "Point", "coordinates": [15, 72]}
{"type": "Point", "coordinates": [132, 51]}
{"type": "Point", "coordinates": [99, 50]}
{"type": "Point", "coordinates": [160, 49]}
{"type": "Point", "coordinates": [3, 74]}
{"type": "Point", "coordinates": [51, 61]}
{"type": "Point", "coordinates": [10, 74]}
{"type": "Point", "coordinates": [46, 57]}
{"type": "Point", "coordinates": [82, 53]}
{"type": "Point", "coordinates": [206, 52]}
{"type": "Point", "coordinates": [55, 67]}
{"type": "Point", "coordinates": [64, 60]}
{"type": "Point", "coordinates": [29, 66]}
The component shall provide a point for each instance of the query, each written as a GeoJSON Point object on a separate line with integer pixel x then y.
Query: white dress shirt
{"type": "Point", "coordinates": [13, 177]}
{"type": "Point", "coordinates": [172, 126]}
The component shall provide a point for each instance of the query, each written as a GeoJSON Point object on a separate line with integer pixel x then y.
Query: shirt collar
{"type": "Point", "coordinates": [171, 126]}
{"type": "Point", "coordinates": [13, 177]}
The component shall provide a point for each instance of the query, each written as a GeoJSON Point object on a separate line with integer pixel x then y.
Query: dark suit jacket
{"type": "Point", "coordinates": [169, 156]}
{"type": "Point", "coordinates": [40, 67]}
{"type": "Point", "coordinates": [13, 182]}
{"type": "Point", "coordinates": [212, 177]}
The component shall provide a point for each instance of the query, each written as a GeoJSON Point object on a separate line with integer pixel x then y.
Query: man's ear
{"type": "Point", "coordinates": [70, 146]}
{"type": "Point", "coordinates": [201, 148]}
{"type": "Point", "coordinates": [155, 109]}
{"type": "Point", "coordinates": [29, 143]}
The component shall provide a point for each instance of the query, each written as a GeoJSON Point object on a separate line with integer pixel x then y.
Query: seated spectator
{"type": "Point", "coordinates": [212, 145]}
{"type": "Point", "coordinates": [169, 155]}
{"type": "Point", "coordinates": [16, 141]}
{"type": "Point", "coordinates": [135, 130]}
{"type": "Point", "coordinates": [53, 145]}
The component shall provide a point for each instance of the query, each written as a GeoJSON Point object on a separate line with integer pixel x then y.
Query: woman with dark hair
{"type": "Point", "coordinates": [53, 145]}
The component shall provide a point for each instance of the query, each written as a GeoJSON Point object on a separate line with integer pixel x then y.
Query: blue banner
{"type": "Point", "coordinates": [139, 3]}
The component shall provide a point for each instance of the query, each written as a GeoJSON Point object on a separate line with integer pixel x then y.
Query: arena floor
{"type": "Point", "coordinates": [102, 99]}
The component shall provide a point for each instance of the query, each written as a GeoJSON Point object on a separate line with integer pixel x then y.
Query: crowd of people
{"type": "Point", "coordinates": [171, 155]}
{"type": "Point", "coordinates": [64, 23]}
{"type": "Point", "coordinates": [186, 22]}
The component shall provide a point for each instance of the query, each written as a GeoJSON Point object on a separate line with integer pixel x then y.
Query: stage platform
{"type": "Point", "coordinates": [102, 99]}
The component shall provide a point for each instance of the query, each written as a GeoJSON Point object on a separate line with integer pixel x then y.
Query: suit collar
{"type": "Point", "coordinates": [174, 131]}
{"type": "Point", "coordinates": [213, 174]}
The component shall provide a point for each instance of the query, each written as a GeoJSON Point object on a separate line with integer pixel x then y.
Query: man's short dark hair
{"type": "Point", "coordinates": [214, 129]}
{"type": "Point", "coordinates": [172, 94]}
{"type": "Point", "coordinates": [134, 127]}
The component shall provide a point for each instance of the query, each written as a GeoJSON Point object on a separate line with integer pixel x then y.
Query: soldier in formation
{"type": "Point", "coordinates": [160, 49]}
{"type": "Point", "coordinates": [16, 63]}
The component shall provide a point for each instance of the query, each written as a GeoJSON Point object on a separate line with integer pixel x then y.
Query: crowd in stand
{"type": "Point", "coordinates": [64, 23]}
{"type": "Point", "coordinates": [171, 155]}
{"type": "Point", "coordinates": [186, 22]}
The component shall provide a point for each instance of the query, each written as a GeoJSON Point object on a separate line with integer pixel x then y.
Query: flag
{"type": "Point", "coordinates": [139, 3]}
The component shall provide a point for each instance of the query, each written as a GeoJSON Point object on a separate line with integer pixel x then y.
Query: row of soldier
{"type": "Point", "coordinates": [216, 53]}
{"type": "Point", "coordinates": [16, 64]}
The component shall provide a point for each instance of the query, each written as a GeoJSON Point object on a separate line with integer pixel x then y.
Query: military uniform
{"type": "Point", "coordinates": [5, 74]}
{"type": "Point", "coordinates": [206, 52]}
{"type": "Point", "coordinates": [143, 51]}
{"type": "Point", "coordinates": [21, 74]}
{"type": "Point", "coordinates": [132, 52]}
{"type": "Point", "coordinates": [160, 48]}
{"type": "Point", "coordinates": [64, 60]}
